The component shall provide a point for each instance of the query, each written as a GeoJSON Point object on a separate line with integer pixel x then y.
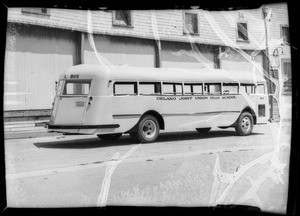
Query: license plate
{"type": "Point", "coordinates": [79, 103]}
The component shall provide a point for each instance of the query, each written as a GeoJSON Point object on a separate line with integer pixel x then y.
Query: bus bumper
{"type": "Point", "coordinates": [53, 127]}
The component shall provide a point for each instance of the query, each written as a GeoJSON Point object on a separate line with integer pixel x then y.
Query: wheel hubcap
{"type": "Point", "coordinates": [149, 129]}
{"type": "Point", "coordinates": [246, 124]}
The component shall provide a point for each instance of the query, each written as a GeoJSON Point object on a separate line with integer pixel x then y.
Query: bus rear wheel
{"type": "Point", "coordinates": [147, 131]}
{"type": "Point", "coordinates": [109, 137]}
{"type": "Point", "coordinates": [244, 124]}
{"type": "Point", "coordinates": [203, 130]}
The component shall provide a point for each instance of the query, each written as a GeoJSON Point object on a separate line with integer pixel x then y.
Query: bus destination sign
{"type": "Point", "coordinates": [164, 98]}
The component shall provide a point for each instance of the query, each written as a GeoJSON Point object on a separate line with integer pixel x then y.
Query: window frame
{"type": "Point", "coordinates": [185, 30]}
{"type": "Point", "coordinates": [281, 35]}
{"type": "Point", "coordinates": [118, 23]}
{"type": "Point", "coordinates": [286, 91]}
{"type": "Point", "coordinates": [60, 87]}
{"type": "Point", "coordinates": [237, 31]}
{"type": "Point", "coordinates": [135, 84]}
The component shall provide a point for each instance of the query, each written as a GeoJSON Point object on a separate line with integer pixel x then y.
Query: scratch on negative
{"type": "Point", "coordinates": [111, 166]}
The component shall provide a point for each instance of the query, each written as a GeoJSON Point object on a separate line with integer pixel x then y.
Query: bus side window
{"type": "Point", "coordinates": [230, 88]}
{"type": "Point", "coordinates": [125, 88]}
{"type": "Point", "coordinates": [242, 89]}
{"type": "Point", "coordinates": [213, 88]}
{"type": "Point", "coordinates": [168, 89]}
{"type": "Point", "coordinates": [157, 88]}
{"type": "Point", "coordinates": [172, 88]}
{"type": "Point", "coordinates": [178, 89]}
{"type": "Point", "coordinates": [260, 89]}
{"type": "Point", "coordinates": [247, 88]}
{"type": "Point", "coordinates": [197, 89]}
{"type": "Point", "coordinates": [149, 88]}
{"type": "Point", "coordinates": [188, 89]}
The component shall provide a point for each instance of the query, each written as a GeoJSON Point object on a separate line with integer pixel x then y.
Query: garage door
{"type": "Point", "coordinates": [34, 58]}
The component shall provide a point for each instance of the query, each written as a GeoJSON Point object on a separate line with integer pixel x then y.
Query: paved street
{"type": "Point", "coordinates": [181, 169]}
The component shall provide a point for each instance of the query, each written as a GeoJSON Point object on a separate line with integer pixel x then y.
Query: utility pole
{"type": "Point", "coordinates": [157, 54]}
{"type": "Point", "coordinates": [267, 17]}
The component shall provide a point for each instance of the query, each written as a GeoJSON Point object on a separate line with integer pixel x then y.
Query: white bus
{"type": "Point", "coordinates": [108, 102]}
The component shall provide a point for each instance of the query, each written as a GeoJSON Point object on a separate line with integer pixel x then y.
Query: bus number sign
{"type": "Point", "coordinates": [74, 76]}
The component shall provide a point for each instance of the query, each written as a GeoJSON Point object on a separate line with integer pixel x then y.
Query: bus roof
{"type": "Point", "coordinates": [143, 74]}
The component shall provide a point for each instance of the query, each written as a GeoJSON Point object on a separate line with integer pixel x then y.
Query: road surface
{"type": "Point", "coordinates": [180, 169]}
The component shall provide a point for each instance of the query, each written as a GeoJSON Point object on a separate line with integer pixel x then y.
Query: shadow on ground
{"type": "Point", "coordinates": [95, 142]}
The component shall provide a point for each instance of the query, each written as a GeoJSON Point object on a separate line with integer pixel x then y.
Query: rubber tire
{"type": "Point", "coordinates": [203, 130]}
{"type": "Point", "coordinates": [238, 126]}
{"type": "Point", "coordinates": [134, 138]}
{"type": "Point", "coordinates": [109, 137]}
{"type": "Point", "coordinates": [138, 135]}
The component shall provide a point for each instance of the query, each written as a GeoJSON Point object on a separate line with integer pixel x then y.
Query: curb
{"type": "Point", "coordinates": [25, 129]}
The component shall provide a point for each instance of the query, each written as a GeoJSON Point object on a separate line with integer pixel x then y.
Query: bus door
{"type": "Point", "coordinates": [262, 104]}
{"type": "Point", "coordinates": [258, 96]}
{"type": "Point", "coordinates": [71, 103]}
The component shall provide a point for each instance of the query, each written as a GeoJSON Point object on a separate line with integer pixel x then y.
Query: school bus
{"type": "Point", "coordinates": [111, 101]}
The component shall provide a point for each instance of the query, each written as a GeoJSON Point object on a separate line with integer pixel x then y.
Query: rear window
{"type": "Point", "coordinates": [77, 87]}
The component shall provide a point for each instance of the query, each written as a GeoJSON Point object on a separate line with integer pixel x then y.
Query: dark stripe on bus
{"type": "Point", "coordinates": [200, 113]}
{"type": "Point", "coordinates": [177, 114]}
{"type": "Point", "coordinates": [126, 115]}
{"type": "Point", "coordinates": [83, 126]}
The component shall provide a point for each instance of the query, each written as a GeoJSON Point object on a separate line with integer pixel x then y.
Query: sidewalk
{"type": "Point", "coordinates": [25, 129]}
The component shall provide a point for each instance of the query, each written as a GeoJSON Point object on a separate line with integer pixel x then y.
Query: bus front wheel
{"type": "Point", "coordinates": [244, 124]}
{"type": "Point", "coordinates": [147, 131]}
{"type": "Point", "coordinates": [109, 137]}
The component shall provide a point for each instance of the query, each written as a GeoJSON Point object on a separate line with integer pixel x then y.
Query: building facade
{"type": "Point", "coordinates": [42, 43]}
{"type": "Point", "coordinates": [279, 53]}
